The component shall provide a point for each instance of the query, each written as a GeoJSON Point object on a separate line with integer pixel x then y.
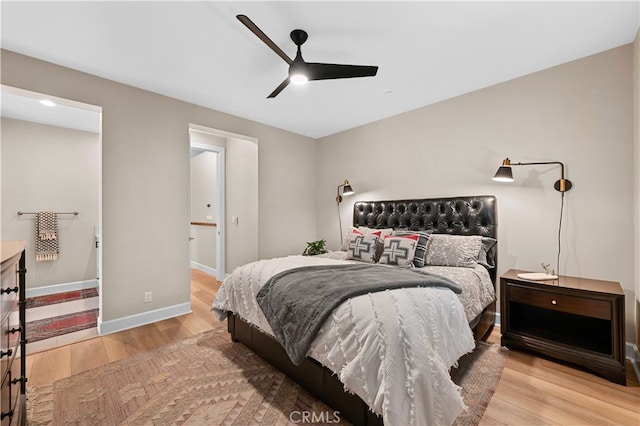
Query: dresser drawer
{"type": "Point", "coordinates": [561, 302]}
{"type": "Point", "coordinates": [8, 347]}
{"type": "Point", "coordinates": [9, 287]}
{"type": "Point", "coordinates": [10, 395]}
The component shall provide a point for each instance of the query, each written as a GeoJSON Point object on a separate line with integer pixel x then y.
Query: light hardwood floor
{"type": "Point", "coordinates": [532, 391]}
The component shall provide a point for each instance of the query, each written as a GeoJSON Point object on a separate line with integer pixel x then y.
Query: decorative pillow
{"type": "Point", "coordinates": [421, 247]}
{"type": "Point", "coordinates": [363, 248]}
{"type": "Point", "coordinates": [363, 230]}
{"type": "Point", "coordinates": [379, 232]}
{"type": "Point", "coordinates": [399, 251]}
{"type": "Point", "coordinates": [453, 250]}
{"type": "Point", "coordinates": [347, 239]}
{"type": "Point", "coordinates": [486, 257]}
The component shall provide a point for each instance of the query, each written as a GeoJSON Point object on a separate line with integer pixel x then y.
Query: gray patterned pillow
{"type": "Point", "coordinates": [453, 250]}
{"type": "Point", "coordinates": [363, 248]}
{"type": "Point", "coordinates": [399, 251]}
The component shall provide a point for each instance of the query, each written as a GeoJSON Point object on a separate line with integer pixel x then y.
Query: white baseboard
{"type": "Point", "coordinates": [60, 288]}
{"type": "Point", "coordinates": [204, 268]}
{"type": "Point", "coordinates": [121, 324]}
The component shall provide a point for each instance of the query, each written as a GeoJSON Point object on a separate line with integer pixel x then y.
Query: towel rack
{"type": "Point", "coordinates": [20, 213]}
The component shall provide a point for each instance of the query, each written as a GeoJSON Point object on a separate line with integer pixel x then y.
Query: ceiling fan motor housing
{"type": "Point", "coordinates": [301, 71]}
{"type": "Point", "coordinates": [299, 37]}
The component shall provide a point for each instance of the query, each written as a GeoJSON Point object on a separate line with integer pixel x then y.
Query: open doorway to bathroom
{"type": "Point", "coordinates": [50, 162]}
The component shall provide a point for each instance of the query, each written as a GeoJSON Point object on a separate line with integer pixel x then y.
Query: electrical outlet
{"type": "Point", "coordinates": [148, 296]}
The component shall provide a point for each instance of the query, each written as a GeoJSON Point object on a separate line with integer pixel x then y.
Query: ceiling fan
{"type": "Point", "coordinates": [299, 70]}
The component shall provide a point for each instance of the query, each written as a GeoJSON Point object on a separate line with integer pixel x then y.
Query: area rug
{"type": "Point", "coordinates": [209, 380]}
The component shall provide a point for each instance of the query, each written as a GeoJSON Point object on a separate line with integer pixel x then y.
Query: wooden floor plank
{"type": "Point", "coordinates": [87, 354]}
{"type": "Point", "coordinates": [49, 366]}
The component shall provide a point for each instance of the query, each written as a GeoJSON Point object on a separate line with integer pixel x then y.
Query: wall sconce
{"type": "Point", "coordinates": [504, 173]}
{"type": "Point", "coordinates": [346, 190]}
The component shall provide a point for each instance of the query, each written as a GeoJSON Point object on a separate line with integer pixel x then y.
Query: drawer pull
{"type": "Point", "coordinates": [15, 330]}
{"type": "Point", "coordinates": [18, 380]}
{"type": "Point", "coordinates": [553, 302]}
{"type": "Point", "coordinates": [6, 414]}
{"type": "Point", "coordinates": [6, 353]}
{"type": "Point", "coordinates": [9, 290]}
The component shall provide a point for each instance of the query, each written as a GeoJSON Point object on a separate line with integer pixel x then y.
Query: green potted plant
{"type": "Point", "coordinates": [314, 248]}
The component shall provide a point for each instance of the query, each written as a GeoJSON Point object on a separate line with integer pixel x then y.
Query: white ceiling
{"type": "Point", "coordinates": [426, 51]}
{"type": "Point", "coordinates": [25, 105]}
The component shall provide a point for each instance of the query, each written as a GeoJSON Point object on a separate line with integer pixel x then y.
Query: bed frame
{"type": "Point", "coordinates": [475, 215]}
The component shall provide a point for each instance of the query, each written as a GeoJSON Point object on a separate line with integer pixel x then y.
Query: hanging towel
{"type": "Point", "coordinates": [47, 247]}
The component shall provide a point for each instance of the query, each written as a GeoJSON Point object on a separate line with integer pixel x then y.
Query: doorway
{"type": "Point", "coordinates": [207, 209]}
{"type": "Point", "coordinates": [51, 162]}
{"type": "Point", "coordinates": [224, 184]}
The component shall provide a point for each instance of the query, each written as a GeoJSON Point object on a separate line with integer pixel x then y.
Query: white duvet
{"type": "Point", "coordinates": [394, 348]}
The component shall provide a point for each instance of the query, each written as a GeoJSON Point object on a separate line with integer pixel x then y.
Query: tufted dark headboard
{"type": "Point", "coordinates": [476, 215]}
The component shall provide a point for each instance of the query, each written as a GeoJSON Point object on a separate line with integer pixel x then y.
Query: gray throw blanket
{"type": "Point", "coordinates": [296, 302]}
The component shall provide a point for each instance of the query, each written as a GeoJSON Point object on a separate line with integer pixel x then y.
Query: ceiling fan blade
{"type": "Point", "coordinates": [318, 71]}
{"type": "Point", "coordinates": [262, 36]}
{"type": "Point", "coordinates": [279, 89]}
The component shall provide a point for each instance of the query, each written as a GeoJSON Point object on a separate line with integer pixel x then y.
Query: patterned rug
{"type": "Point", "coordinates": [208, 380]}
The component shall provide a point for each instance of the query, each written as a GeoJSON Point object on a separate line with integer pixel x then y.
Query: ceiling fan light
{"type": "Point", "coordinates": [298, 79]}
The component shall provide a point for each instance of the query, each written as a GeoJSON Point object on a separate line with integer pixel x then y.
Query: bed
{"type": "Point", "coordinates": [387, 354]}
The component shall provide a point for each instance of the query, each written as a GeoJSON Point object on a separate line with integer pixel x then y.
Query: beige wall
{"type": "Point", "coordinates": [145, 180]}
{"type": "Point", "coordinates": [51, 168]}
{"type": "Point", "coordinates": [580, 113]}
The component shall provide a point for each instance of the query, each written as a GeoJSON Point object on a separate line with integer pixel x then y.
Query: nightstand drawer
{"type": "Point", "coordinates": [561, 302]}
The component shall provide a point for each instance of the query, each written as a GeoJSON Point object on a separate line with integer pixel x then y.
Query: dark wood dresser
{"type": "Point", "coordinates": [12, 332]}
{"type": "Point", "coordinates": [577, 320]}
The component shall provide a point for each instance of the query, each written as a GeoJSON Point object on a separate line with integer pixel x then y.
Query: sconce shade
{"type": "Point", "coordinates": [347, 190]}
{"type": "Point", "coordinates": [504, 174]}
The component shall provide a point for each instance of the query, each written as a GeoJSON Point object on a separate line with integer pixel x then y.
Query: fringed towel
{"type": "Point", "coordinates": [47, 247]}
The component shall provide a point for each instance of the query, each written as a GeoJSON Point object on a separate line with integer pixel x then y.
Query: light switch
{"type": "Point", "coordinates": [234, 220]}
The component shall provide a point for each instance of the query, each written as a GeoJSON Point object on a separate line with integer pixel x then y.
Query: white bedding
{"type": "Point", "coordinates": [394, 348]}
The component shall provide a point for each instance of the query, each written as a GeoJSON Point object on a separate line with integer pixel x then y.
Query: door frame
{"type": "Point", "coordinates": [220, 202]}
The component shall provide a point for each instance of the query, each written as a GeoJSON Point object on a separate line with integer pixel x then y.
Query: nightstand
{"type": "Point", "coordinates": [577, 320]}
